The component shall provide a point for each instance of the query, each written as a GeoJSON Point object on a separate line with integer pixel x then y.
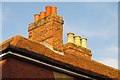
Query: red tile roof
{"type": "Point", "coordinates": [27, 46]}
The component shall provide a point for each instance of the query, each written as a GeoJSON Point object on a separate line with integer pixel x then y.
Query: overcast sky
{"type": "Point", "coordinates": [97, 21]}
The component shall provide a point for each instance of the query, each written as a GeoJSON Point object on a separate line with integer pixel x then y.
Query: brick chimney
{"type": "Point", "coordinates": [76, 47]}
{"type": "Point", "coordinates": [47, 28]}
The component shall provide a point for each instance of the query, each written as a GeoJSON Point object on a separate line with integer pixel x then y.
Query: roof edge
{"type": "Point", "coordinates": [11, 41]}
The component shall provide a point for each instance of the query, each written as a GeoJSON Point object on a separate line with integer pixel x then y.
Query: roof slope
{"type": "Point", "coordinates": [29, 47]}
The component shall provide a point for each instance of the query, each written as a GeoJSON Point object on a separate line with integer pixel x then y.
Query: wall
{"type": "Point", "coordinates": [14, 68]}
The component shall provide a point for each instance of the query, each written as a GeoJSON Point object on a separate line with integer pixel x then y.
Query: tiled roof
{"type": "Point", "coordinates": [27, 46]}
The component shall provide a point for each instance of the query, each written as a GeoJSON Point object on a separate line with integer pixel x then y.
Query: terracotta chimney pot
{"type": "Point", "coordinates": [48, 10]}
{"type": "Point", "coordinates": [42, 15]}
{"type": "Point", "coordinates": [53, 10]}
{"type": "Point", "coordinates": [36, 17]}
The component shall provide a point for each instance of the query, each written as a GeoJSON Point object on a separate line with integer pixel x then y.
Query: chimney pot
{"type": "Point", "coordinates": [48, 10]}
{"type": "Point", "coordinates": [36, 17]}
{"type": "Point", "coordinates": [42, 15]}
{"type": "Point", "coordinates": [83, 42]}
{"type": "Point", "coordinates": [77, 40]}
{"type": "Point", "coordinates": [70, 37]}
{"type": "Point", "coordinates": [53, 10]}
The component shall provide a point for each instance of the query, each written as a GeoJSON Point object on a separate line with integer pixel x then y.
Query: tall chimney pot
{"type": "Point", "coordinates": [53, 10]}
{"type": "Point", "coordinates": [42, 15]}
{"type": "Point", "coordinates": [48, 10]}
{"type": "Point", "coordinates": [83, 42]}
{"type": "Point", "coordinates": [77, 40]}
{"type": "Point", "coordinates": [70, 37]}
{"type": "Point", "coordinates": [36, 17]}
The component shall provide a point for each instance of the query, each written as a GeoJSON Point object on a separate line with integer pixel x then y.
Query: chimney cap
{"type": "Point", "coordinates": [42, 12]}
{"type": "Point", "coordinates": [36, 14]}
{"type": "Point", "coordinates": [48, 6]}
{"type": "Point", "coordinates": [54, 6]}
{"type": "Point", "coordinates": [77, 36]}
{"type": "Point", "coordinates": [83, 38]}
{"type": "Point", "coordinates": [70, 33]}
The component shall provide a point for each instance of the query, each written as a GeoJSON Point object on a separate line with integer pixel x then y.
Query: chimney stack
{"type": "Point", "coordinates": [48, 30]}
{"type": "Point", "coordinates": [77, 47]}
{"type": "Point", "coordinates": [77, 40]}
{"type": "Point", "coordinates": [70, 37]}
{"type": "Point", "coordinates": [83, 42]}
{"type": "Point", "coordinates": [36, 17]}
{"type": "Point", "coordinates": [53, 10]}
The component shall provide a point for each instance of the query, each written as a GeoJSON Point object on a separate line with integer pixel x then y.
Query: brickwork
{"type": "Point", "coordinates": [77, 51]}
{"type": "Point", "coordinates": [14, 68]}
{"type": "Point", "coordinates": [49, 30]}
{"type": "Point", "coordinates": [22, 69]}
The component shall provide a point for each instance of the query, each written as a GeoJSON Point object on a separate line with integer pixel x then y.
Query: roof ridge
{"type": "Point", "coordinates": [15, 40]}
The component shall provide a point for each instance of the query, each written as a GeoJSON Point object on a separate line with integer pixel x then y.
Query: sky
{"type": "Point", "coordinates": [97, 21]}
